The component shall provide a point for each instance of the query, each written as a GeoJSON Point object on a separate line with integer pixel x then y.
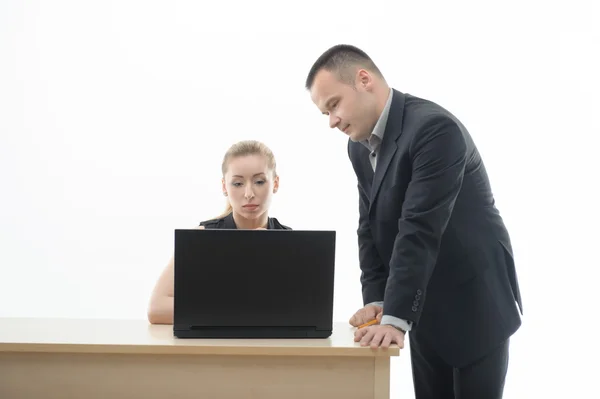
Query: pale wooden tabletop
{"type": "Point", "coordinates": [140, 337]}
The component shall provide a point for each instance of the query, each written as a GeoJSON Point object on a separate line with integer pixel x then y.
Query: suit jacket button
{"type": "Point", "coordinates": [416, 303]}
{"type": "Point", "coordinates": [414, 308]}
{"type": "Point", "coordinates": [419, 292]}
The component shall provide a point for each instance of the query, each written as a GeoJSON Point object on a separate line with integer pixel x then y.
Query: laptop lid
{"type": "Point", "coordinates": [253, 279]}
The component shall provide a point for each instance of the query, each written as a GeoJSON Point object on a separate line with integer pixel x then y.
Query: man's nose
{"type": "Point", "coordinates": [333, 121]}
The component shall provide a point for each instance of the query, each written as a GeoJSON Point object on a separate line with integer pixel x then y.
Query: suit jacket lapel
{"type": "Point", "coordinates": [388, 148]}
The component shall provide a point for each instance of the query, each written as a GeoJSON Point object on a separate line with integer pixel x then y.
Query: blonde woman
{"type": "Point", "coordinates": [249, 182]}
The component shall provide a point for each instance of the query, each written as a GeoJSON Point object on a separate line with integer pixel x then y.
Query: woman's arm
{"type": "Point", "coordinates": [160, 309]}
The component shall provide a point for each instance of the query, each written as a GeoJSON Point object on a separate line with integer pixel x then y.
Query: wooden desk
{"type": "Point", "coordinates": [63, 358]}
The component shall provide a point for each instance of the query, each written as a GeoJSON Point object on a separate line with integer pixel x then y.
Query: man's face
{"type": "Point", "coordinates": [351, 108]}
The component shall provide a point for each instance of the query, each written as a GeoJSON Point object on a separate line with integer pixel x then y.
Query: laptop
{"type": "Point", "coordinates": [253, 283]}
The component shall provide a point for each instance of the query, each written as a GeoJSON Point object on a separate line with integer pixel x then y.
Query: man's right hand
{"type": "Point", "coordinates": [366, 314]}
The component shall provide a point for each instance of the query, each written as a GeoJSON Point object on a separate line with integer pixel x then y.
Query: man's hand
{"type": "Point", "coordinates": [379, 336]}
{"type": "Point", "coordinates": [366, 314]}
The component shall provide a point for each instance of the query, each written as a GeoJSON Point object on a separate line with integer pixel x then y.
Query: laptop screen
{"type": "Point", "coordinates": [254, 277]}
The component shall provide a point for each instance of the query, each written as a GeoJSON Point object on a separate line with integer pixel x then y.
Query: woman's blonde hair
{"type": "Point", "coordinates": [244, 148]}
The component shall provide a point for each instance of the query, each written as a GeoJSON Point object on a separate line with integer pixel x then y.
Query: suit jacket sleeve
{"type": "Point", "coordinates": [438, 154]}
{"type": "Point", "coordinates": [373, 273]}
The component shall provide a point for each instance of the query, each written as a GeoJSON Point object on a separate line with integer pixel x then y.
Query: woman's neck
{"type": "Point", "coordinates": [249, 224]}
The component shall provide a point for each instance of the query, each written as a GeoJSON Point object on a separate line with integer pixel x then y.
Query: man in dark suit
{"type": "Point", "coordinates": [435, 256]}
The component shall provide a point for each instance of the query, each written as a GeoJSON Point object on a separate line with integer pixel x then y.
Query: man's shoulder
{"type": "Point", "coordinates": [420, 112]}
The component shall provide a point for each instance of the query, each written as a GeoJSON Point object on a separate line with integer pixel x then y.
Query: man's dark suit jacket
{"type": "Point", "coordinates": [432, 244]}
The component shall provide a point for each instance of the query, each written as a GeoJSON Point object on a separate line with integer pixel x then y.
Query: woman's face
{"type": "Point", "coordinates": [250, 184]}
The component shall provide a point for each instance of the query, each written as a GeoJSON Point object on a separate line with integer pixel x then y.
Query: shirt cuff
{"type": "Point", "coordinates": [396, 322]}
{"type": "Point", "coordinates": [391, 320]}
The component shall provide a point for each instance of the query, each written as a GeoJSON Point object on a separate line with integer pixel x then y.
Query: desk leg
{"type": "Point", "coordinates": [381, 378]}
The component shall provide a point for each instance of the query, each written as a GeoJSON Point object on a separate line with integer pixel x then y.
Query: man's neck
{"type": "Point", "coordinates": [382, 99]}
{"type": "Point", "coordinates": [243, 223]}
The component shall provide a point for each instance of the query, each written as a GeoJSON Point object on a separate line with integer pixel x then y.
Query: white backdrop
{"type": "Point", "coordinates": [114, 117]}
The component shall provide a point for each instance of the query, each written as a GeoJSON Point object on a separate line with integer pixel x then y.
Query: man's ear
{"type": "Point", "coordinates": [275, 184]}
{"type": "Point", "coordinates": [364, 79]}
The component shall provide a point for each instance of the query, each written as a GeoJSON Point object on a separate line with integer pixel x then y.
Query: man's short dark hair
{"type": "Point", "coordinates": [342, 60]}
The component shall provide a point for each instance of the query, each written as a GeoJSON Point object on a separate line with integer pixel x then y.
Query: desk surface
{"type": "Point", "coordinates": [140, 337]}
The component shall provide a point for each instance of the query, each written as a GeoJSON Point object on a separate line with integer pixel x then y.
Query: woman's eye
{"type": "Point", "coordinates": [260, 182]}
{"type": "Point", "coordinates": [237, 184]}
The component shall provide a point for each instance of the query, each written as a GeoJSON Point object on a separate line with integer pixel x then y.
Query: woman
{"type": "Point", "coordinates": [249, 182]}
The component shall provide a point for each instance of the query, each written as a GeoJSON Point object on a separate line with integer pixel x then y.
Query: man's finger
{"type": "Point", "coordinates": [365, 337]}
{"type": "Point", "coordinates": [386, 341]}
{"type": "Point", "coordinates": [377, 339]}
{"type": "Point", "coordinates": [361, 317]}
{"type": "Point", "coordinates": [358, 334]}
{"type": "Point", "coordinates": [368, 337]}
{"type": "Point", "coordinates": [356, 320]}
{"type": "Point", "coordinates": [400, 340]}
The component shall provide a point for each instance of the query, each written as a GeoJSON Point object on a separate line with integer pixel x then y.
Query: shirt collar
{"type": "Point", "coordinates": [376, 137]}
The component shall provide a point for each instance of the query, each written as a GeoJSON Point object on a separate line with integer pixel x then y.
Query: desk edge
{"type": "Point", "coordinates": [193, 350]}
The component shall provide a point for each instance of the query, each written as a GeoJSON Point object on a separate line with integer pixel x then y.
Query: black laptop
{"type": "Point", "coordinates": [253, 283]}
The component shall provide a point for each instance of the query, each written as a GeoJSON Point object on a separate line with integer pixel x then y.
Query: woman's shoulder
{"type": "Point", "coordinates": [212, 223]}
{"type": "Point", "coordinates": [276, 225]}
{"type": "Point", "coordinates": [224, 222]}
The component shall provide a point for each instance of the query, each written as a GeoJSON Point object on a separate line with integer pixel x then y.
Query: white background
{"type": "Point", "coordinates": [114, 117]}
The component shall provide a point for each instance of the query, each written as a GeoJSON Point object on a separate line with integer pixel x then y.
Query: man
{"type": "Point", "coordinates": [435, 256]}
